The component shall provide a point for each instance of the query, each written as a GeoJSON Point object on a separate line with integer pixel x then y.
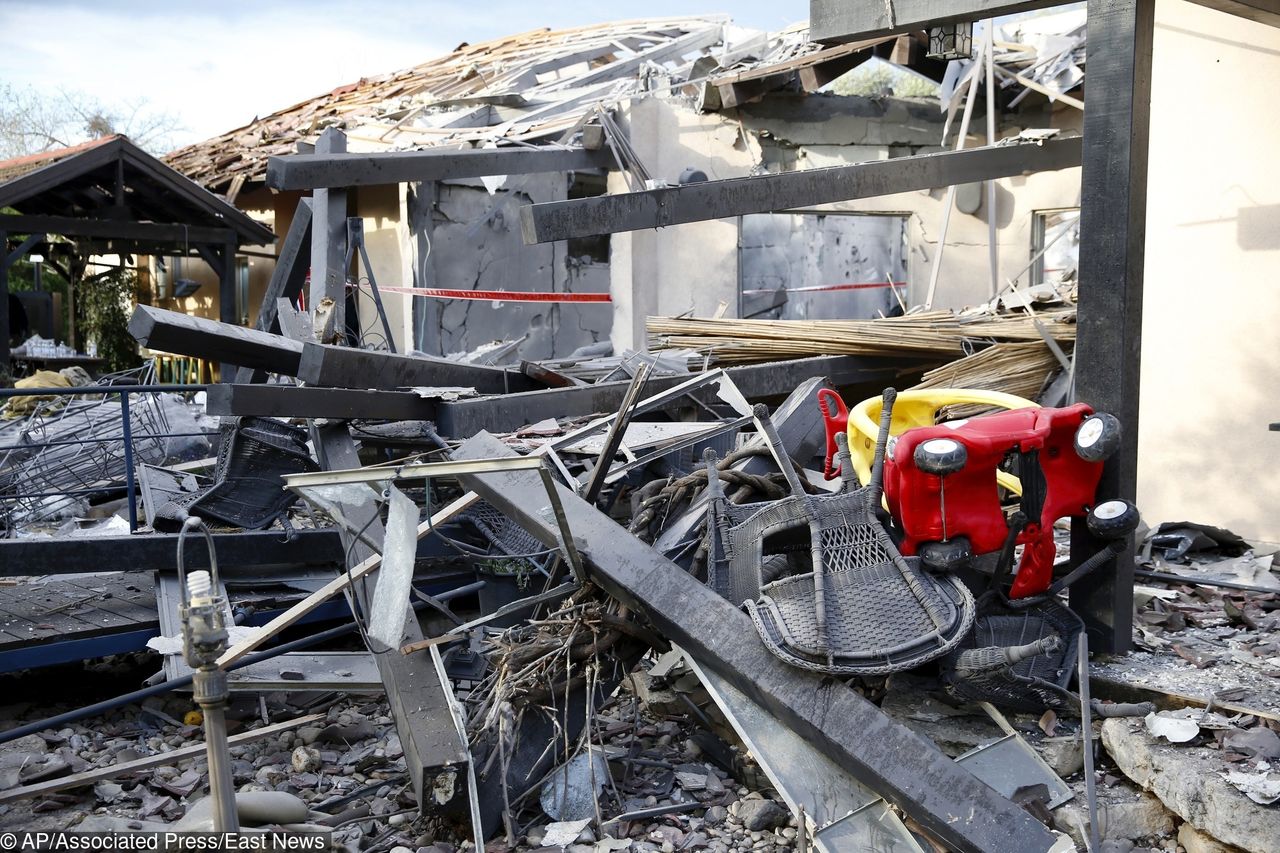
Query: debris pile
{"type": "Point", "coordinates": [718, 596]}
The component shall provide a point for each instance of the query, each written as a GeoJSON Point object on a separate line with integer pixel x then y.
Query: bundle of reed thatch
{"type": "Point", "coordinates": [730, 341]}
{"type": "Point", "coordinates": [1014, 368]}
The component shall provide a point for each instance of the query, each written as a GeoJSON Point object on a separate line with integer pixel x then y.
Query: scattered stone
{"type": "Point", "coordinates": [306, 760]}
{"type": "Point", "coordinates": [309, 734]}
{"type": "Point", "coordinates": [50, 769]}
{"type": "Point", "coordinates": [757, 815]}
{"type": "Point", "coordinates": [1193, 840]}
{"type": "Point", "coordinates": [692, 777]}
{"type": "Point", "coordinates": [1257, 742]}
{"type": "Point", "coordinates": [563, 833]}
{"type": "Point", "coordinates": [660, 701]}
{"type": "Point", "coordinates": [182, 785]}
{"type": "Point", "coordinates": [346, 734]}
{"type": "Point", "coordinates": [1065, 756]}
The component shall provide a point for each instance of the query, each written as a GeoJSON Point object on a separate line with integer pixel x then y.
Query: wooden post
{"type": "Point", "coordinates": [4, 301]}
{"type": "Point", "coordinates": [327, 296]}
{"type": "Point", "coordinates": [1113, 214]}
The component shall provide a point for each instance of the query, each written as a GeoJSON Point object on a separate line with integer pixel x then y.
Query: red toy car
{"type": "Point", "coordinates": [940, 486]}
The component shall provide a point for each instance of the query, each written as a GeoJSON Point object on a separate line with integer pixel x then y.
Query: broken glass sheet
{"type": "Point", "coordinates": [400, 549]}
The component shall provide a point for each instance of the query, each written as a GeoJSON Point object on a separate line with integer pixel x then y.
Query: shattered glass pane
{"type": "Point", "coordinates": [400, 549]}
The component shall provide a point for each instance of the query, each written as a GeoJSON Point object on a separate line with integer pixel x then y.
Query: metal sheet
{"type": "Point", "coordinates": [1009, 764]}
{"type": "Point", "coordinates": [391, 596]}
{"type": "Point", "coordinates": [846, 814]}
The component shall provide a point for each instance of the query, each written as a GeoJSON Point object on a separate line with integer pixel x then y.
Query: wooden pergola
{"type": "Point", "coordinates": [111, 197]}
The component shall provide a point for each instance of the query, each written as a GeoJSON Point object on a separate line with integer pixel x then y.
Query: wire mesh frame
{"type": "Point", "coordinates": [43, 463]}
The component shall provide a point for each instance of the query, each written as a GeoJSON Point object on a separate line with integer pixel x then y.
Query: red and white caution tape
{"type": "Point", "coordinates": [498, 295]}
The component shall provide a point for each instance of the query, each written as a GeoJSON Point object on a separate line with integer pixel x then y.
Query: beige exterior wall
{"type": "Point", "coordinates": [689, 267]}
{"type": "Point", "coordinates": [383, 214]}
{"type": "Point", "coordinates": [1211, 314]}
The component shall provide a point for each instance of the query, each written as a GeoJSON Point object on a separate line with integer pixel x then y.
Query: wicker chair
{"type": "Point", "coordinates": [824, 583]}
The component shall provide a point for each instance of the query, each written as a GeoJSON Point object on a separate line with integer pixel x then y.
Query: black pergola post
{"type": "Point", "coordinates": [1113, 233]}
{"type": "Point", "coordinates": [4, 300]}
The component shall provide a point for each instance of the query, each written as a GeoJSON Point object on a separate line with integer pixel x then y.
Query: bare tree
{"type": "Point", "coordinates": [32, 122]}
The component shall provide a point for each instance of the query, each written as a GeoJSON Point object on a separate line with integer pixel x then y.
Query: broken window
{"type": "Point", "coordinates": [1055, 245]}
{"type": "Point", "coordinates": [821, 266]}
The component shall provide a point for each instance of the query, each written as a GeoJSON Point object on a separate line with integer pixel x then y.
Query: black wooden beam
{"type": "Point", "coordinates": [849, 20]}
{"type": "Point", "coordinates": [58, 173]}
{"type": "Point", "coordinates": [290, 273]}
{"type": "Point", "coordinates": [182, 334]}
{"type": "Point", "coordinates": [291, 401]}
{"type": "Point", "coordinates": [227, 298]}
{"type": "Point", "coordinates": [68, 226]}
{"type": "Point", "coordinates": [608, 214]}
{"type": "Point", "coordinates": [309, 171]}
{"type": "Point", "coordinates": [1113, 233]}
{"type": "Point", "coordinates": [17, 254]}
{"type": "Point", "coordinates": [462, 418]}
{"type": "Point", "coordinates": [345, 367]}
{"type": "Point", "coordinates": [842, 20]}
{"type": "Point", "coordinates": [157, 552]}
{"type": "Point", "coordinates": [898, 764]}
{"type": "Point", "coordinates": [505, 412]}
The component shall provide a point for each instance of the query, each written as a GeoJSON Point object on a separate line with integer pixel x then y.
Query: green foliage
{"type": "Point", "coordinates": [103, 307]}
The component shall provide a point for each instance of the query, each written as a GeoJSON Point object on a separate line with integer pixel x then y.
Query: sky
{"type": "Point", "coordinates": [215, 66]}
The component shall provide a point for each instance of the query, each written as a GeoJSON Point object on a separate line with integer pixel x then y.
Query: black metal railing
{"type": "Point", "coordinates": [13, 475]}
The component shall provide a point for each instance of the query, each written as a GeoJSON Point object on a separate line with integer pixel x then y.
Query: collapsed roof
{"type": "Point", "coordinates": [538, 87]}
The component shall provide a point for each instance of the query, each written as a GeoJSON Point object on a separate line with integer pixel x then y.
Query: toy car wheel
{"type": "Point", "coordinates": [946, 556]}
{"type": "Point", "coordinates": [1113, 519]}
{"type": "Point", "coordinates": [1098, 437]}
{"type": "Point", "coordinates": [941, 456]}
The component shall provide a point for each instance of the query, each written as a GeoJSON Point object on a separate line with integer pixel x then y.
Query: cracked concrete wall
{"type": "Point", "coordinates": [808, 253]}
{"type": "Point", "coordinates": [457, 236]}
{"type": "Point", "coordinates": [694, 267]}
{"type": "Point", "coordinates": [883, 128]}
{"type": "Point", "coordinates": [1211, 308]}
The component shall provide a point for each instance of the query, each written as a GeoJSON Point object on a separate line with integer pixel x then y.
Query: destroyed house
{"type": "Point", "coordinates": [795, 468]}
{"type": "Point", "coordinates": [700, 96]}
{"type": "Point", "coordinates": [666, 101]}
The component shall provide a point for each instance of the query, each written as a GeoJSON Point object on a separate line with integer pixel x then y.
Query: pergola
{"type": "Point", "coordinates": [111, 197]}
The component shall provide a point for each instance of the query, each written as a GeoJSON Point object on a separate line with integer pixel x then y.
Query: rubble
{"type": "Point", "coordinates": [618, 602]}
{"type": "Point", "coordinates": [1188, 781]}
